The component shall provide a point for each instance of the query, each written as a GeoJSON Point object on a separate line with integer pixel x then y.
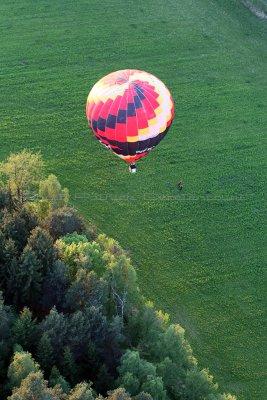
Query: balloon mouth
{"type": "Point", "coordinates": [132, 168]}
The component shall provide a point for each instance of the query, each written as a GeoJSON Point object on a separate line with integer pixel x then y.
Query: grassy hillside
{"type": "Point", "coordinates": [199, 252]}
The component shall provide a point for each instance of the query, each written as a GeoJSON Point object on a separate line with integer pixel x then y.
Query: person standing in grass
{"type": "Point", "coordinates": [180, 185]}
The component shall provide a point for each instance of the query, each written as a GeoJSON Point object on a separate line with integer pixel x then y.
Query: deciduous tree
{"type": "Point", "coordinates": [22, 171]}
{"type": "Point", "coordinates": [137, 375]}
{"type": "Point", "coordinates": [34, 387]}
{"type": "Point", "coordinates": [50, 189]}
{"type": "Point", "coordinates": [86, 290]}
{"type": "Point", "coordinates": [63, 221]}
{"type": "Point", "coordinates": [21, 366]}
{"type": "Point", "coordinates": [82, 391]}
{"type": "Point", "coordinates": [118, 394]}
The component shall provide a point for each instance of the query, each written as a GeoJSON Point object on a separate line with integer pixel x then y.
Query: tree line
{"type": "Point", "coordinates": [73, 322]}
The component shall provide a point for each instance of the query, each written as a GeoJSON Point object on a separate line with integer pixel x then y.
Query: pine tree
{"type": "Point", "coordinates": [55, 325]}
{"type": "Point", "coordinates": [103, 380]}
{"type": "Point", "coordinates": [30, 278]}
{"type": "Point", "coordinates": [11, 281]}
{"type": "Point", "coordinates": [18, 225]}
{"type": "Point", "coordinates": [45, 353]}
{"type": "Point", "coordinates": [55, 285]}
{"type": "Point", "coordinates": [6, 340]}
{"type": "Point", "coordinates": [42, 244]}
{"type": "Point", "coordinates": [69, 367]}
{"type": "Point", "coordinates": [56, 378]}
{"type": "Point", "coordinates": [2, 261]}
{"type": "Point", "coordinates": [24, 330]}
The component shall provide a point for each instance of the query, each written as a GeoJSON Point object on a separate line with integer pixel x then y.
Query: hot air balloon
{"type": "Point", "coordinates": [130, 112]}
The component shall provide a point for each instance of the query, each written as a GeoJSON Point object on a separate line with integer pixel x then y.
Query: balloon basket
{"type": "Point", "coordinates": [132, 168]}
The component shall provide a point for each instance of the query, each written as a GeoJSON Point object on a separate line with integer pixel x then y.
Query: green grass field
{"type": "Point", "coordinates": [199, 252]}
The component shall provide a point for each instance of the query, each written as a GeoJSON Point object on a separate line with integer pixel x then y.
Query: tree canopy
{"type": "Point", "coordinates": [73, 322]}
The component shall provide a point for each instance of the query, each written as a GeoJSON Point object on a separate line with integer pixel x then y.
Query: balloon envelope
{"type": "Point", "coordinates": [130, 112]}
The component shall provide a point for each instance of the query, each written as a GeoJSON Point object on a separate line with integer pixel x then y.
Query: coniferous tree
{"type": "Point", "coordinates": [55, 324]}
{"type": "Point", "coordinates": [17, 226]}
{"type": "Point", "coordinates": [69, 366]}
{"type": "Point", "coordinates": [30, 274]}
{"type": "Point", "coordinates": [55, 285]}
{"type": "Point", "coordinates": [5, 199]}
{"type": "Point", "coordinates": [10, 281]}
{"type": "Point", "coordinates": [56, 378]}
{"type": "Point", "coordinates": [42, 244]}
{"type": "Point", "coordinates": [112, 343]}
{"type": "Point", "coordinates": [2, 261]}
{"type": "Point", "coordinates": [6, 340]}
{"type": "Point", "coordinates": [25, 330]}
{"type": "Point", "coordinates": [103, 380]}
{"type": "Point", "coordinates": [45, 353]}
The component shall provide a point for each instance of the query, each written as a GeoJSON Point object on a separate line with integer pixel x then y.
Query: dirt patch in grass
{"type": "Point", "coordinates": [254, 9]}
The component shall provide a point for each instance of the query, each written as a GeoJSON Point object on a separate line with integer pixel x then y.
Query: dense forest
{"type": "Point", "coordinates": [73, 323]}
